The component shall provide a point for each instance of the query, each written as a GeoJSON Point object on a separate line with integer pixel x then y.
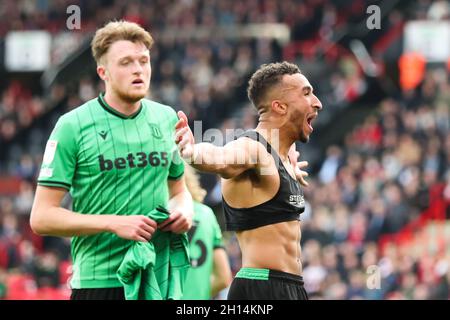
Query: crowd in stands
{"type": "Point", "coordinates": [204, 76]}
{"type": "Point", "coordinates": [373, 184]}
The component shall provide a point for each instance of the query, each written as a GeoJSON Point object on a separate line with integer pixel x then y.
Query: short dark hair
{"type": "Point", "coordinates": [266, 77]}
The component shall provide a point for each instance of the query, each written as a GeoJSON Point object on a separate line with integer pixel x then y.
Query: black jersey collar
{"type": "Point", "coordinates": [107, 107]}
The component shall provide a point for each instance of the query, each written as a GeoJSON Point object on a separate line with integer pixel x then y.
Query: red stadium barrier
{"type": "Point", "coordinates": [9, 185]}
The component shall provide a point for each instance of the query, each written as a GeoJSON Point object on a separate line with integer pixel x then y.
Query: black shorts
{"type": "Point", "coordinates": [266, 284]}
{"type": "Point", "coordinates": [98, 294]}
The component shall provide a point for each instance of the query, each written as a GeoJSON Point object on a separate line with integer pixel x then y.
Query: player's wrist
{"type": "Point", "coordinates": [195, 153]}
{"type": "Point", "coordinates": [109, 225]}
{"type": "Point", "coordinates": [192, 156]}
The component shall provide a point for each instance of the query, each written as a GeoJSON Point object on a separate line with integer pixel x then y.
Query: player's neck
{"type": "Point", "coordinates": [276, 137]}
{"type": "Point", "coordinates": [124, 107]}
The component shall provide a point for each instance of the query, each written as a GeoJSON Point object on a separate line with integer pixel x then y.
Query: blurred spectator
{"type": "Point", "coordinates": [331, 164]}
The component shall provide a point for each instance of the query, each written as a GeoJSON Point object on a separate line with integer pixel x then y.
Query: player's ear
{"type": "Point", "coordinates": [279, 107]}
{"type": "Point", "coordinates": [101, 71]}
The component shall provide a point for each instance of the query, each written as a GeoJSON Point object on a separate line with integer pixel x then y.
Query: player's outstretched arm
{"type": "Point", "coordinates": [228, 161]}
{"type": "Point", "coordinates": [49, 218]}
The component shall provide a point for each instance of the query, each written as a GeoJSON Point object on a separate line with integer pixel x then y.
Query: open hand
{"type": "Point", "coordinates": [298, 166]}
{"type": "Point", "coordinates": [184, 138]}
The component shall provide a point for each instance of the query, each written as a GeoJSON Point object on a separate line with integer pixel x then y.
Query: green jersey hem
{"type": "Point", "coordinates": [253, 273]}
{"type": "Point", "coordinates": [93, 284]}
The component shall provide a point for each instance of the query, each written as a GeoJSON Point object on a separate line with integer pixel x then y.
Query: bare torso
{"type": "Point", "coordinates": [274, 246]}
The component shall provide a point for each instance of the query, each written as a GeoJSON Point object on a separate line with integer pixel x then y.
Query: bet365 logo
{"type": "Point", "coordinates": [139, 160]}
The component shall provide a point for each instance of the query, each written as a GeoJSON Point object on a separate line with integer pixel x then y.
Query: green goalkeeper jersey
{"type": "Point", "coordinates": [204, 237]}
{"type": "Point", "coordinates": [111, 164]}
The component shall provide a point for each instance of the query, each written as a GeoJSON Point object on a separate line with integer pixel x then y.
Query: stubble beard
{"type": "Point", "coordinates": [130, 97]}
{"type": "Point", "coordinates": [303, 137]}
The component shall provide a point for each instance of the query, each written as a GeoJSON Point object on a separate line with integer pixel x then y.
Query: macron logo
{"type": "Point", "coordinates": [103, 134]}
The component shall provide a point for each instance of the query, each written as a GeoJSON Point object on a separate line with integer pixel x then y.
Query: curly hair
{"type": "Point", "coordinates": [267, 76]}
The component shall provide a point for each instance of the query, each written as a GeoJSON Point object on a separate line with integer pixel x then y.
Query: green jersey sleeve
{"type": "Point", "coordinates": [59, 161]}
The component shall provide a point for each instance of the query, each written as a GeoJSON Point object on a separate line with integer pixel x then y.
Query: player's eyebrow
{"type": "Point", "coordinates": [131, 57]}
{"type": "Point", "coordinates": [125, 58]}
{"type": "Point", "coordinates": [307, 89]}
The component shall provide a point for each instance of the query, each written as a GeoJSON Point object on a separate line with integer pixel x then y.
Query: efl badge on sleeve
{"type": "Point", "coordinates": [50, 150]}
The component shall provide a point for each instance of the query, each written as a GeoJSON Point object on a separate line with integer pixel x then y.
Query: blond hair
{"type": "Point", "coordinates": [193, 183]}
{"type": "Point", "coordinates": [118, 30]}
